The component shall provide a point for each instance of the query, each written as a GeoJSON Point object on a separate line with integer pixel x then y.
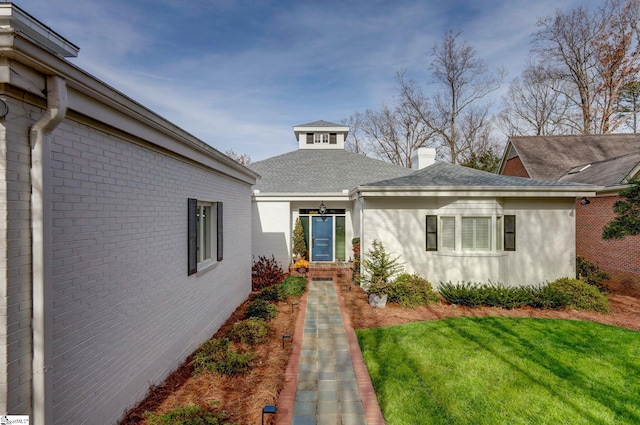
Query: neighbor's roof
{"type": "Point", "coordinates": [551, 157]}
{"type": "Point", "coordinates": [610, 172]}
{"type": "Point", "coordinates": [443, 174]}
{"type": "Point", "coordinates": [321, 171]}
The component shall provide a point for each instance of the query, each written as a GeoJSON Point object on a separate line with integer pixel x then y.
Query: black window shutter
{"type": "Point", "coordinates": [219, 231]}
{"type": "Point", "coordinates": [432, 233]}
{"type": "Point", "coordinates": [309, 138]}
{"type": "Point", "coordinates": [333, 138]}
{"type": "Point", "coordinates": [509, 232]}
{"type": "Point", "coordinates": [192, 233]}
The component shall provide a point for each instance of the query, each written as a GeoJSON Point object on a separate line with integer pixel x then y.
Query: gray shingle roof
{"type": "Point", "coordinates": [611, 172]}
{"type": "Point", "coordinates": [442, 174]}
{"type": "Point", "coordinates": [321, 171]}
{"type": "Point", "coordinates": [551, 157]}
{"type": "Point", "coordinates": [321, 123]}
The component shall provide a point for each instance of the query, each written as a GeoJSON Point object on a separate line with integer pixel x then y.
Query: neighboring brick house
{"type": "Point", "coordinates": [109, 278]}
{"type": "Point", "coordinates": [607, 161]}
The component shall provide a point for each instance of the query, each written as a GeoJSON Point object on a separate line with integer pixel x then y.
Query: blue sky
{"type": "Point", "coordinates": [239, 74]}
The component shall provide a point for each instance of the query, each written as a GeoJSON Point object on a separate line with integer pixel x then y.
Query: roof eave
{"type": "Point", "coordinates": [300, 196]}
{"type": "Point", "coordinates": [480, 191]}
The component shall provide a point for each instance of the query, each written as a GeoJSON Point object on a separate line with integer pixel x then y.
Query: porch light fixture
{"type": "Point", "coordinates": [323, 209]}
{"type": "Point", "coordinates": [585, 201]}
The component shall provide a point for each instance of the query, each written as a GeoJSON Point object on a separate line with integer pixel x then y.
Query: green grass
{"type": "Point", "coordinates": [491, 370]}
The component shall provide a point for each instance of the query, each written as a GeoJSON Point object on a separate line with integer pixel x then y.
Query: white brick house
{"type": "Point", "coordinates": [109, 278]}
{"type": "Point", "coordinates": [445, 221]}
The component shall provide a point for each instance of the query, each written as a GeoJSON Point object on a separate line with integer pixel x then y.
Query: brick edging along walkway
{"type": "Point", "coordinates": [286, 399]}
{"type": "Point", "coordinates": [370, 403]}
{"type": "Point", "coordinates": [287, 396]}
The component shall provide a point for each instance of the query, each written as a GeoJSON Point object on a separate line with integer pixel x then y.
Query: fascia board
{"type": "Point", "coordinates": [519, 192]}
{"type": "Point", "coordinates": [285, 197]}
{"type": "Point", "coordinates": [634, 174]}
{"type": "Point", "coordinates": [611, 190]}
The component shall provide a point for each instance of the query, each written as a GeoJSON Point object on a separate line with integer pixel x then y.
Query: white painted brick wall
{"type": "Point", "coordinates": [125, 313]}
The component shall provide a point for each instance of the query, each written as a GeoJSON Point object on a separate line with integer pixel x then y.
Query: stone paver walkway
{"type": "Point", "coordinates": [331, 383]}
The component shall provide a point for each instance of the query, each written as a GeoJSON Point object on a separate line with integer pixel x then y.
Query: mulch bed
{"type": "Point", "coordinates": [242, 396]}
{"type": "Point", "coordinates": [624, 303]}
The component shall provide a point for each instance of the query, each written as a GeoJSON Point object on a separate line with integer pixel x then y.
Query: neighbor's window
{"type": "Point", "coordinates": [499, 235]}
{"type": "Point", "coordinates": [321, 137]}
{"type": "Point", "coordinates": [476, 234]}
{"type": "Point", "coordinates": [205, 234]}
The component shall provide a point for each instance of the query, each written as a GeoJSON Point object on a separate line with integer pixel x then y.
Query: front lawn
{"type": "Point", "coordinates": [499, 370]}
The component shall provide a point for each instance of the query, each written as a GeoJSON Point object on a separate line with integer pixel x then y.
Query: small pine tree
{"type": "Point", "coordinates": [299, 245]}
{"type": "Point", "coordinates": [627, 219]}
{"type": "Point", "coordinates": [379, 265]}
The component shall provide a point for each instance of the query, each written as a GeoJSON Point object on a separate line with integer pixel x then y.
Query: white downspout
{"type": "Point", "coordinates": [41, 246]}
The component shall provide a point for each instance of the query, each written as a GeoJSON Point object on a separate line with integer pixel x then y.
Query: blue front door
{"type": "Point", "coordinates": [321, 238]}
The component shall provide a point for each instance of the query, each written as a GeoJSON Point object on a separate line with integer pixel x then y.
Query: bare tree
{"type": "Point", "coordinates": [463, 80]}
{"type": "Point", "coordinates": [391, 133]}
{"type": "Point", "coordinates": [356, 142]}
{"type": "Point", "coordinates": [596, 53]}
{"type": "Point", "coordinates": [531, 105]}
{"type": "Point", "coordinates": [618, 57]}
{"type": "Point", "coordinates": [243, 159]}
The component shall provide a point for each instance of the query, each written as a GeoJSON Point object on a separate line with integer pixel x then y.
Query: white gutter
{"type": "Point", "coordinates": [41, 241]}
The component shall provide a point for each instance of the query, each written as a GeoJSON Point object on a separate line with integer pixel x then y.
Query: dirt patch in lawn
{"type": "Point", "coordinates": [624, 305]}
{"type": "Point", "coordinates": [242, 396]}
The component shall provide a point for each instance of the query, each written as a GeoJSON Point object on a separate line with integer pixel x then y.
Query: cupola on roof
{"type": "Point", "coordinates": [321, 135]}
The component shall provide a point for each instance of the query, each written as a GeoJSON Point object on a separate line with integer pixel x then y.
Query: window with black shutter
{"type": "Point", "coordinates": [205, 234]}
{"type": "Point", "coordinates": [219, 231]}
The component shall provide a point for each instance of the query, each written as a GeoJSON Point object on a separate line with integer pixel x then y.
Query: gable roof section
{"type": "Point", "coordinates": [551, 157]}
{"type": "Point", "coordinates": [321, 171]}
{"type": "Point", "coordinates": [610, 172]}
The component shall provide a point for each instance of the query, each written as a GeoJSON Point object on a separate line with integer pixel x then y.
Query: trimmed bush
{"type": "Point", "coordinates": [582, 295]}
{"type": "Point", "coordinates": [498, 295]}
{"type": "Point", "coordinates": [250, 331]}
{"type": "Point", "coordinates": [547, 297]}
{"type": "Point", "coordinates": [463, 293]}
{"type": "Point", "coordinates": [216, 355]}
{"type": "Point", "coordinates": [411, 290]}
{"type": "Point", "coordinates": [565, 292]}
{"type": "Point", "coordinates": [261, 309]}
{"type": "Point", "coordinates": [272, 294]}
{"type": "Point", "coordinates": [188, 415]}
{"type": "Point", "coordinates": [293, 286]}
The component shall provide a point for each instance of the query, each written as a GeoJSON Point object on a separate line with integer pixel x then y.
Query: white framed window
{"type": "Point", "coordinates": [476, 233]}
{"type": "Point", "coordinates": [205, 234]}
{"type": "Point", "coordinates": [499, 234]}
{"type": "Point", "coordinates": [448, 233]}
{"type": "Point", "coordinates": [321, 138]}
{"type": "Point", "coordinates": [205, 217]}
